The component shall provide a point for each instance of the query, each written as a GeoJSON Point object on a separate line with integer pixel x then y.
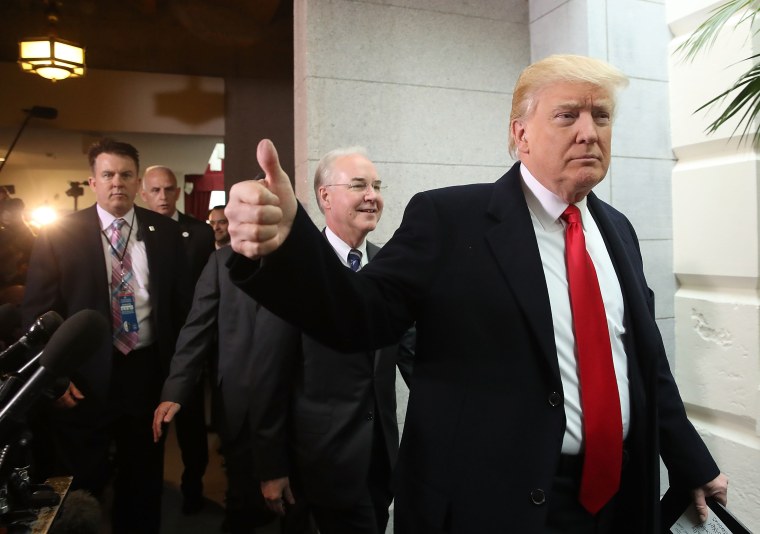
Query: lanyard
{"type": "Point", "coordinates": [126, 244]}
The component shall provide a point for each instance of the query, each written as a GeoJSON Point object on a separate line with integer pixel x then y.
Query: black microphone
{"type": "Point", "coordinates": [75, 341]}
{"type": "Point", "coordinates": [37, 335]}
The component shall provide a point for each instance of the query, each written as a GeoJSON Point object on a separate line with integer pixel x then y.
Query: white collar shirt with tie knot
{"type": "Point", "coordinates": [546, 210]}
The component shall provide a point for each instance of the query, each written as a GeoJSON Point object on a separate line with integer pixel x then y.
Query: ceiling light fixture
{"type": "Point", "coordinates": [51, 57]}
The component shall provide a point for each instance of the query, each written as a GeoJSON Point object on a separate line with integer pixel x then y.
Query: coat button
{"type": "Point", "coordinates": [537, 496]}
{"type": "Point", "coordinates": [370, 416]}
{"type": "Point", "coordinates": [555, 399]}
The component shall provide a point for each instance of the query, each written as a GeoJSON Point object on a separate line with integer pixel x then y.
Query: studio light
{"type": "Point", "coordinates": [51, 57]}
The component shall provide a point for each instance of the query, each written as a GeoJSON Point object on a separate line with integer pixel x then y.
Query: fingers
{"type": "Point", "coordinates": [261, 212]}
{"type": "Point", "coordinates": [701, 505]}
{"type": "Point", "coordinates": [288, 495]}
{"type": "Point", "coordinates": [74, 392]}
{"type": "Point", "coordinates": [717, 489]}
{"type": "Point", "coordinates": [275, 493]}
{"type": "Point", "coordinates": [70, 397]}
{"type": "Point", "coordinates": [163, 415]}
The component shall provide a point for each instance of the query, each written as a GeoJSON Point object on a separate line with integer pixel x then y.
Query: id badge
{"type": "Point", "coordinates": [128, 312]}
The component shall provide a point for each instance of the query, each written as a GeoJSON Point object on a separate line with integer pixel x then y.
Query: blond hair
{"type": "Point", "coordinates": [557, 69]}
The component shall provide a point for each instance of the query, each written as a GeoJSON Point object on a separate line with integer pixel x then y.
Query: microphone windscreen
{"type": "Point", "coordinates": [45, 327]}
{"type": "Point", "coordinates": [76, 340]}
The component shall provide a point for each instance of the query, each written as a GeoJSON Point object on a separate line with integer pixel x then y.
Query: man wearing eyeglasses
{"type": "Point", "coordinates": [326, 436]}
{"type": "Point", "coordinates": [542, 398]}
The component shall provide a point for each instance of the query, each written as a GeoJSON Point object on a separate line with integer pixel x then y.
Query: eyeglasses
{"type": "Point", "coordinates": [220, 221]}
{"type": "Point", "coordinates": [361, 187]}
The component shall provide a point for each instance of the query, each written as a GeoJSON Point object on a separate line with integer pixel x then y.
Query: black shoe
{"type": "Point", "coordinates": [192, 504]}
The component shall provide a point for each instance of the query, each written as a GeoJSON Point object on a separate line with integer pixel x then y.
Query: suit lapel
{"type": "Point", "coordinates": [373, 249]}
{"type": "Point", "coordinates": [94, 237]}
{"type": "Point", "coordinates": [626, 260]}
{"type": "Point", "coordinates": [149, 235]}
{"type": "Point", "coordinates": [514, 247]}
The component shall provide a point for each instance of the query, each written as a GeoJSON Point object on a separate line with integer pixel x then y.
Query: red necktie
{"type": "Point", "coordinates": [600, 400]}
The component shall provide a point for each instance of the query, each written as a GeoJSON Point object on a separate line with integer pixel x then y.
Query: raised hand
{"type": "Point", "coordinates": [261, 212]}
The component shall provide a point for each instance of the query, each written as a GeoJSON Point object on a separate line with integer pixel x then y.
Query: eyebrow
{"type": "Point", "coordinates": [599, 104]}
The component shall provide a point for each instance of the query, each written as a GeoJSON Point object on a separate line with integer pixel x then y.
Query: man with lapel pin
{"type": "Point", "coordinates": [542, 399]}
{"type": "Point", "coordinates": [129, 264]}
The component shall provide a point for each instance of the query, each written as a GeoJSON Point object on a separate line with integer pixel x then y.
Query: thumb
{"type": "Point", "coordinates": [277, 181]}
{"type": "Point", "coordinates": [701, 505]}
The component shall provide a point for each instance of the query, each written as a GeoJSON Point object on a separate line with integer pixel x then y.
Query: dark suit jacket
{"type": "Point", "coordinates": [317, 410]}
{"type": "Point", "coordinates": [222, 319]}
{"type": "Point", "coordinates": [198, 238]}
{"type": "Point", "coordinates": [485, 419]}
{"type": "Point", "coordinates": [67, 273]}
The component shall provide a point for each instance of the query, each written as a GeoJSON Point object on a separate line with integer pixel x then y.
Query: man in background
{"type": "Point", "coordinates": [219, 329]}
{"type": "Point", "coordinates": [160, 193]}
{"type": "Point", "coordinates": [326, 435]}
{"type": "Point", "coordinates": [127, 263]}
{"type": "Point", "coordinates": [218, 222]}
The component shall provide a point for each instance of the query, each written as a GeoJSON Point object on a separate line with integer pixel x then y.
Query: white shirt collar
{"type": "Point", "coordinates": [545, 205]}
{"type": "Point", "coordinates": [106, 218]}
{"type": "Point", "coordinates": [342, 248]}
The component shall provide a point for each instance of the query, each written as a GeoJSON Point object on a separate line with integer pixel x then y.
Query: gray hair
{"type": "Point", "coordinates": [323, 174]}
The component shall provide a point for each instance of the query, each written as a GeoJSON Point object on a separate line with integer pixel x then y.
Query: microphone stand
{"type": "Point", "coordinates": [34, 111]}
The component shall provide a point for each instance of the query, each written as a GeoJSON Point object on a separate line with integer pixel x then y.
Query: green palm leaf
{"type": "Point", "coordinates": [707, 32]}
{"type": "Point", "coordinates": [748, 85]}
{"type": "Point", "coordinates": [747, 99]}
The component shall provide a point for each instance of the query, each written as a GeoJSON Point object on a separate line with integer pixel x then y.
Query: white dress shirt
{"type": "Point", "coordinates": [139, 281]}
{"type": "Point", "coordinates": [342, 249]}
{"type": "Point", "coordinates": [545, 210]}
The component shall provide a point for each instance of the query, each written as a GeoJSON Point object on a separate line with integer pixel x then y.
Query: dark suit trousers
{"type": "Point", "coordinates": [85, 435]}
{"type": "Point", "coordinates": [193, 442]}
{"type": "Point", "coordinates": [244, 504]}
{"type": "Point", "coordinates": [566, 514]}
{"type": "Point", "coordinates": [369, 515]}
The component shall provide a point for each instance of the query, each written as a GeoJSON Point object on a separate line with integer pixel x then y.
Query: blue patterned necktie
{"type": "Point", "coordinates": [355, 260]}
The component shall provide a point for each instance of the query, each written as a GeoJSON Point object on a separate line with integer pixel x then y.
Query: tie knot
{"type": "Point", "coordinates": [572, 214]}
{"type": "Point", "coordinates": [354, 259]}
{"type": "Point", "coordinates": [117, 224]}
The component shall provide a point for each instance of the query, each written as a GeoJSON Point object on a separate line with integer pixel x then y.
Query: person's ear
{"type": "Point", "coordinates": [324, 197]}
{"type": "Point", "coordinates": [519, 135]}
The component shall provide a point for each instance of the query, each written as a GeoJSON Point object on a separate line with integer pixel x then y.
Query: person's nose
{"type": "Point", "coordinates": [370, 194]}
{"type": "Point", "coordinates": [587, 129]}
